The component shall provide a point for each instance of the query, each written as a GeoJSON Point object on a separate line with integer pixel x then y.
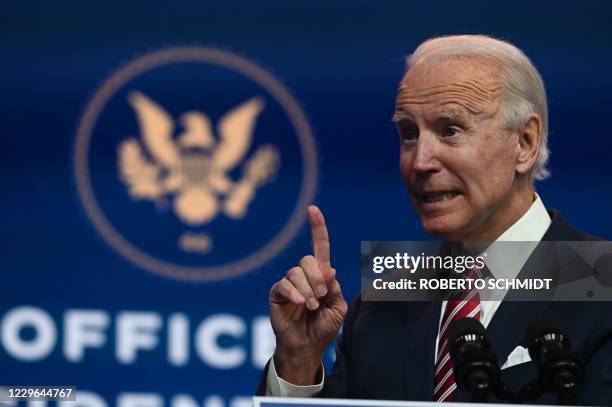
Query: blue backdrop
{"type": "Point", "coordinates": [75, 310]}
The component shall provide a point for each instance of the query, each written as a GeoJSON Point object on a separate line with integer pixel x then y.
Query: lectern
{"type": "Point", "coordinates": [314, 402]}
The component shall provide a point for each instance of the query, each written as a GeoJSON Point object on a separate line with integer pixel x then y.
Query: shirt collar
{"type": "Point", "coordinates": [507, 260]}
{"type": "Point", "coordinates": [531, 226]}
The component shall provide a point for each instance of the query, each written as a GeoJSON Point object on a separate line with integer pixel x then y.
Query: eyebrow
{"type": "Point", "coordinates": [452, 115]}
{"type": "Point", "coordinates": [400, 116]}
{"type": "Point", "coordinates": [449, 114]}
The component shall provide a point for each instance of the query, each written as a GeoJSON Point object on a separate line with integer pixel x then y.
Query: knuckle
{"type": "Point", "coordinates": [294, 272]}
{"type": "Point", "coordinates": [288, 284]}
{"type": "Point", "coordinates": [305, 260]}
{"type": "Point", "coordinates": [278, 287]}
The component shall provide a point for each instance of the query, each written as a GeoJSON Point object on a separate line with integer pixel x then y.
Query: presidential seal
{"type": "Point", "coordinates": [194, 163]}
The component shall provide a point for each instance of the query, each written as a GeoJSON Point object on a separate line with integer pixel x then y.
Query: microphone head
{"type": "Point", "coordinates": [540, 330]}
{"type": "Point", "coordinates": [475, 365]}
{"type": "Point", "coordinates": [464, 326]}
{"type": "Point", "coordinates": [560, 369]}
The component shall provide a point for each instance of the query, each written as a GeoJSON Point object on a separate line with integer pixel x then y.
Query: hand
{"type": "Point", "coordinates": [306, 309]}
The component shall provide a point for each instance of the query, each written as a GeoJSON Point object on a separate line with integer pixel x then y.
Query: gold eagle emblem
{"type": "Point", "coordinates": [193, 168]}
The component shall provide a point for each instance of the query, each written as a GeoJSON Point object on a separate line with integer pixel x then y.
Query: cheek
{"type": "Point", "coordinates": [502, 159]}
{"type": "Point", "coordinates": [405, 166]}
{"type": "Point", "coordinates": [495, 165]}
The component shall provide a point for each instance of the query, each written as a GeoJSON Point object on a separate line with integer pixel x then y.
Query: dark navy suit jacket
{"type": "Point", "coordinates": [386, 350]}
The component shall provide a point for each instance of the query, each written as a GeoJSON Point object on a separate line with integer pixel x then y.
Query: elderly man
{"type": "Point", "coordinates": [472, 118]}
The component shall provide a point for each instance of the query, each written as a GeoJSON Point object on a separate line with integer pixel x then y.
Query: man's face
{"type": "Point", "coordinates": [457, 160]}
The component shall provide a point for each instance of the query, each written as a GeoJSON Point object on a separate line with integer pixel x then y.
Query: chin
{"type": "Point", "coordinates": [443, 226]}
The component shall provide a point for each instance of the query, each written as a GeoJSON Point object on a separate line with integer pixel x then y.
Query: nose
{"type": "Point", "coordinates": [425, 155]}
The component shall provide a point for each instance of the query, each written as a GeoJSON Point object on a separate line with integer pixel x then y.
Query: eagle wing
{"type": "Point", "coordinates": [156, 127]}
{"type": "Point", "coordinates": [236, 131]}
{"type": "Point", "coordinates": [138, 173]}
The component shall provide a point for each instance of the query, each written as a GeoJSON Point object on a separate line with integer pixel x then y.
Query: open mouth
{"type": "Point", "coordinates": [439, 197]}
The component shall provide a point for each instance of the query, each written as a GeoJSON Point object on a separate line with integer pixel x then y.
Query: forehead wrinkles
{"type": "Point", "coordinates": [474, 95]}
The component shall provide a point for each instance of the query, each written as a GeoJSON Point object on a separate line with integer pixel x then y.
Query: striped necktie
{"type": "Point", "coordinates": [464, 304]}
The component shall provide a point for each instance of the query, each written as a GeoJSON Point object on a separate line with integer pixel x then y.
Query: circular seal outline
{"type": "Point", "coordinates": [227, 60]}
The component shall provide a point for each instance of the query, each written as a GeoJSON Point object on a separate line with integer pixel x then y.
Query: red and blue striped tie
{"type": "Point", "coordinates": [466, 304]}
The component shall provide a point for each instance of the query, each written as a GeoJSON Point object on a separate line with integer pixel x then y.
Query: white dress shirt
{"type": "Point", "coordinates": [531, 227]}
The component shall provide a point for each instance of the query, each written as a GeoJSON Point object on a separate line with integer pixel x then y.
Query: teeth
{"type": "Point", "coordinates": [439, 197]}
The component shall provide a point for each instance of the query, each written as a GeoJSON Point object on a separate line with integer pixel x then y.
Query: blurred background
{"type": "Point", "coordinates": [115, 282]}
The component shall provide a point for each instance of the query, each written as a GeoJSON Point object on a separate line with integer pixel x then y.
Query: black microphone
{"type": "Point", "coordinates": [475, 364]}
{"type": "Point", "coordinates": [560, 369]}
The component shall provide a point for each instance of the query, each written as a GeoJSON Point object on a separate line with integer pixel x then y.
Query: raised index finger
{"type": "Point", "coordinates": [320, 237]}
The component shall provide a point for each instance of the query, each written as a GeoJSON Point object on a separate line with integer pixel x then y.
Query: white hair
{"type": "Point", "coordinates": [523, 91]}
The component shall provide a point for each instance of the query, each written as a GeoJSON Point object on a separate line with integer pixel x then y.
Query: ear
{"type": "Point", "coordinates": [529, 144]}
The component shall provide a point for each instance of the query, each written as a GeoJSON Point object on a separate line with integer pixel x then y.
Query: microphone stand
{"type": "Point", "coordinates": [567, 397]}
{"type": "Point", "coordinates": [503, 392]}
{"type": "Point", "coordinates": [529, 392]}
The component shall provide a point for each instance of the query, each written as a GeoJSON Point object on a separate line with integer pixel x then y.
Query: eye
{"type": "Point", "coordinates": [408, 133]}
{"type": "Point", "coordinates": [450, 131]}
